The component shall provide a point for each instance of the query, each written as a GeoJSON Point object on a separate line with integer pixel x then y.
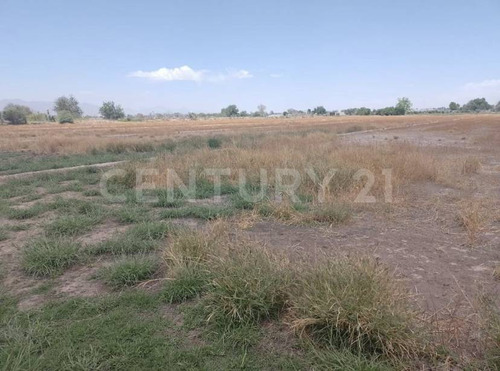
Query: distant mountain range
{"type": "Point", "coordinates": [42, 106]}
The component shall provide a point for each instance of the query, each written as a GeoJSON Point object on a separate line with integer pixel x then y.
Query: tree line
{"type": "Point", "coordinates": [67, 110]}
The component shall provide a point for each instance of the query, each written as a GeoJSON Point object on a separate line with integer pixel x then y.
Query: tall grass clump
{"type": "Point", "coordinates": [354, 305]}
{"type": "Point", "coordinates": [248, 285]}
{"type": "Point", "coordinates": [244, 284]}
{"type": "Point", "coordinates": [187, 258]}
{"type": "Point", "coordinates": [49, 256]}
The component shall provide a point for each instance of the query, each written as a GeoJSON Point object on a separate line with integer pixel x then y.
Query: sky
{"type": "Point", "coordinates": [200, 56]}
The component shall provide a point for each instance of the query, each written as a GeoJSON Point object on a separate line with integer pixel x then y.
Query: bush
{"type": "Point", "coordinates": [214, 143]}
{"type": "Point", "coordinates": [37, 117]}
{"type": "Point", "coordinates": [16, 114]}
{"type": "Point", "coordinates": [65, 117]}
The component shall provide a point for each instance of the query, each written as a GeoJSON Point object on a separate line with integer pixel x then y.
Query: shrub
{"type": "Point", "coordinates": [65, 117]}
{"type": "Point", "coordinates": [214, 143]}
{"type": "Point", "coordinates": [49, 257]}
{"type": "Point", "coordinates": [129, 271]}
{"type": "Point", "coordinates": [37, 117]}
{"type": "Point", "coordinates": [16, 114]}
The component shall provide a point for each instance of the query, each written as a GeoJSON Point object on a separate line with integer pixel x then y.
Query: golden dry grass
{"type": "Point", "coordinates": [472, 217]}
{"type": "Point", "coordinates": [313, 155]}
{"type": "Point", "coordinates": [88, 135]}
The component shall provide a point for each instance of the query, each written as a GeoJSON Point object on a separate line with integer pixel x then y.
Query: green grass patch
{"type": "Point", "coordinates": [206, 212]}
{"type": "Point", "coordinates": [126, 331]}
{"type": "Point", "coordinates": [71, 225]}
{"type": "Point", "coordinates": [150, 230]}
{"type": "Point", "coordinates": [91, 193]}
{"type": "Point", "coordinates": [27, 213]}
{"type": "Point", "coordinates": [19, 227]}
{"type": "Point", "coordinates": [50, 256]}
{"type": "Point", "coordinates": [123, 245]}
{"type": "Point", "coordinates": [129, 271]}
{"type": "Point", "coordinates": [187, 284]}
{"type": "Point", "coordinates": [169, 202]}
{"type": "Point", "coordinates": [4, 234]}
{"type": "Point", "coordinates": [130, 214]}
{"type": "Point", "coordinates": [139, 239]}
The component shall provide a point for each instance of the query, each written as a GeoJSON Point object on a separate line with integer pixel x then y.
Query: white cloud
{"type": "Point", "coordinates": [186, 73]}
{"type": "Point", "coordinates": [241, 74]}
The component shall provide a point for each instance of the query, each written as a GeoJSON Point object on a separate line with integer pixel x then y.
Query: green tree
{"type": "Point", "coordinates": [16, 114]}
{"type": "Point", "coordinates": [497, 107]}
{"type": "Point", "coordinates": [364, 111]}
{"type": "Point", "coordinates": [230, 111]}
{"type": "Point", "coordinates": [68, 104]}
{"type": "Point", "coordinates": [320, 110]}
{"type": "Point", "coordinates": [404, 106]}
{"type": "Point", "coordinates": [110, 111]}
{"type": "Point", "coordinates": [454, 106]}
{"type": "Point", "coordinates": [262, 110]}
{"type": "Point", "coordinates": [477, 105]}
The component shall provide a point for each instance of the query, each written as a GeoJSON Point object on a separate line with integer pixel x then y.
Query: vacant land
{"type": "Point", "coordinates": [369, 243]}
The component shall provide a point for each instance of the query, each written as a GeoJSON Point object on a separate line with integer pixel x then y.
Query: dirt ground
{"type": "Point", "coordinates": [421, 238]}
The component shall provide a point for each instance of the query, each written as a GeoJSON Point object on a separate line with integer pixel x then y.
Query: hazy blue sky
{"type": "Point", "coordinates": [202, 55]}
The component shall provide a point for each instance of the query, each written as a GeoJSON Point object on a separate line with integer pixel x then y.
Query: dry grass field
{"type": "Point", "coordinates": [371, 243]}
